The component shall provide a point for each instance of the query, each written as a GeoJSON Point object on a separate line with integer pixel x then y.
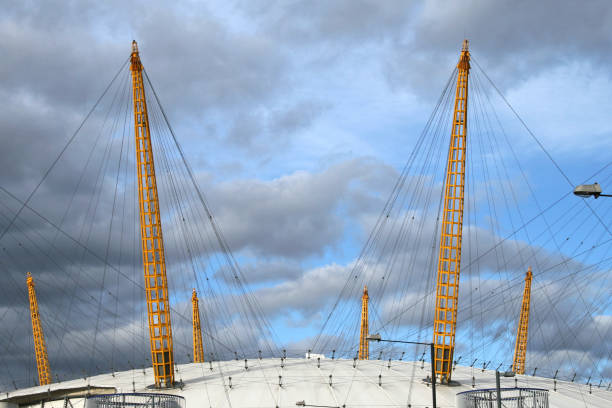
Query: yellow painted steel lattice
{"type": "Point", "coordinates": [449, 259]}
{"type": "Point", "coordinates": [198, 348]}
{"type": "Point", "coordinates": [40, 347]}
{"type": "Point", "coordinates": [153, 258]}
{"type": "Point", "coordinates": [520, 347]}
{"type": "Point", "coordinates": [364, 344]}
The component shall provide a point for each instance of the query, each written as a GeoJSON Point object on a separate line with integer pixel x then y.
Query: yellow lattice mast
{"type": "Point", "coordinates": [364, 344]}
{"type": "Point", "coordinates": [153, 258]}
{"type": "Point", "coordinates": [198, 349]}
{"type": "Point", "coordinates": [520, 348]}
{"type": "Point", "coordinates": [40, 347]}
{"type": "Point", "coordinates": [449, 260]}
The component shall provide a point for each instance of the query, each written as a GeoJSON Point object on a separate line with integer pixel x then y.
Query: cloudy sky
{"type": "Point", "coordinates": [297, 118]}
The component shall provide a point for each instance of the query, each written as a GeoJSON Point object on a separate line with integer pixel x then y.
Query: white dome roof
{"type": "Point", "coordinates": [302, 380]}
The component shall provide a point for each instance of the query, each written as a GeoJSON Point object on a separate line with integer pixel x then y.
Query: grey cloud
{"type": "Point", "coordinates": [293, 216]}
{"type": "Point", "coordinates": [513, 41]}
{"type": "Point", "coordinates": [296, 117]}
{"type": "Point", "coordinates": [271, 130]}
{"type": "Point", "coordinates": [269, 271]}
{"type": "Point", "coordinates": [328, 22]}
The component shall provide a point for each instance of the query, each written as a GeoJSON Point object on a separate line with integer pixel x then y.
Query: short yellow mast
{"type": "Point", "coordinates": [153, 257]}
{"type": "Point", "coordinates": [40, 347]}
{"type": "Point", "coordinates": [364, 344]}
{"type": "Point", "coordinates": [449, 260]}
{"type": "Point", "coordinates": [520, 347]}
{"type": "Point", "coordinates": [198, 349]}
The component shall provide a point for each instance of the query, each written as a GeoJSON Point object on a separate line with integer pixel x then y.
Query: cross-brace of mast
{"type": "Point", "coordinates": [449, 259]}
{"type": "Point", "coordinates": [364, 344]}
{"type": "Point", "coordinates": [153, 258]}
{"type": "Point", "coordinates": [520, 347]}
{"type": "Point", "coordinates": [40, 347]}
{"type": "Point", "coordinates": [198, 348]}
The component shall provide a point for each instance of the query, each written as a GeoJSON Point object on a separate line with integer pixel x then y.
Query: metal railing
{"type": "Point", "coordinates": [135, 400]}
{"type": "Point", "coordinates": [510, 398]}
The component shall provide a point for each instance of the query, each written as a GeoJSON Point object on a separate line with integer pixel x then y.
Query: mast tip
{"type": "Point", "coordinates": [134, 46]}
{"type": "Point", "coordinates": [466, 45]}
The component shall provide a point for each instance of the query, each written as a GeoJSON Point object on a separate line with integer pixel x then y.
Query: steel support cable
{"type": "Point", "coordinates": [95, 255]}
{"type": "Point", "coordinates": [47, 255]}
{"type": "Point", "coordinates": [83, 172]}
{"type": "Point", "coordinates": [593, 308]}
{"type": "Point", "coordinates": [471, 202]}
{"type": "Point", "coordinates": [96, 199]}
{"type": "Point", "coordinates": [471, 212]}
{"type": "Point", "coordinates": [540, 272]}
{"type": "Point", "coordinates": [437, 132]}
{"type": "Point", "coordinates": [440, 127]}
{"type": "Point", "coordinates": [602, 307]}
{"type": "Point", "coordinates": [174, 189]}
{"type": "Point", "coordinates": [93, 202]}
{"type": "Point", "coordinates": [493, 218]}
{"type": "Point", "coordinates": [81, 178]}
{"type": "Point", "coordinates": [432, 259]}
{"type": "Point", "coordinates": [61, 153]}
{"type": "Point", "coordinates": [20, 314]}
{"type": "Point", "coordinates": [110, 230]}
{"type": "Point", "coordinates": [373, 239]}
{"type": "Point", "coordinates": [475, 123]}
{"type": "Point", "coordinates": [471, 174]}
{"type": "Point", "coordinates": [55, 317]}
{"type": "Point", "coordinates": [578, 325]}
{"type": "Point", "coordinates": [530, 188]}
{"type": "Point", "coordinates": [381, 219]}
{"type": "Point", "coordinates": [173, 186]}
{"type": "Point", "coordinates": [531, 243]}
{"type": "Point", "coordinates": [520, 215]}
{"type": "Point", "coordinates": [495, 339]}
{"type": "Point", "coordinates": [221, 309]}
{"type": "Point", "coordinates": [186, 237]}
{"type": "Point", "coordinates": [550, 283]}
{"type": "Point", "coordinates": [121, 229]}
{"type": "Point", "coordinates": [175, 208]}
{"type": "Point", "coordinates": [489, 131]}
{"type": "Point", "coordinates": [251, 302]}
{"type": "Point", "coordinates": [541, 145]}
{"type": "Point", "coordinates": [81, 126]}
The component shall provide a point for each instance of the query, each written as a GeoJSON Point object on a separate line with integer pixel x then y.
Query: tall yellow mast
{"type": "Point", "coordinates": [449, 260]}
{"type": "Point", "coordinates": [364, 344]}
{"type": "Point", "coordinates": [40, 347]}
{"type": "Point", "coordinates": [520, 347]}
{"type": "Point", "coordinates": [153, 258]}
{"type": "Point", "coordinates": [198, 349]}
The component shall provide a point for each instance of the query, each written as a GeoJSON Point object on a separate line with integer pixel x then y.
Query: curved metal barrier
{"type": "Point", "coordinates": [135, 400]}
{"type": "Point", "coordinates": [510, 398]}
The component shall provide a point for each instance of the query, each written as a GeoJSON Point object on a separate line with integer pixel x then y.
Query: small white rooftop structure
{"type": "Point", "coordinates": [336, 383]}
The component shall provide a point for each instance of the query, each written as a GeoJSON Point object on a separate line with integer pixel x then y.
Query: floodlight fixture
{"type": "Point", "coordinates": [588, 190]}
